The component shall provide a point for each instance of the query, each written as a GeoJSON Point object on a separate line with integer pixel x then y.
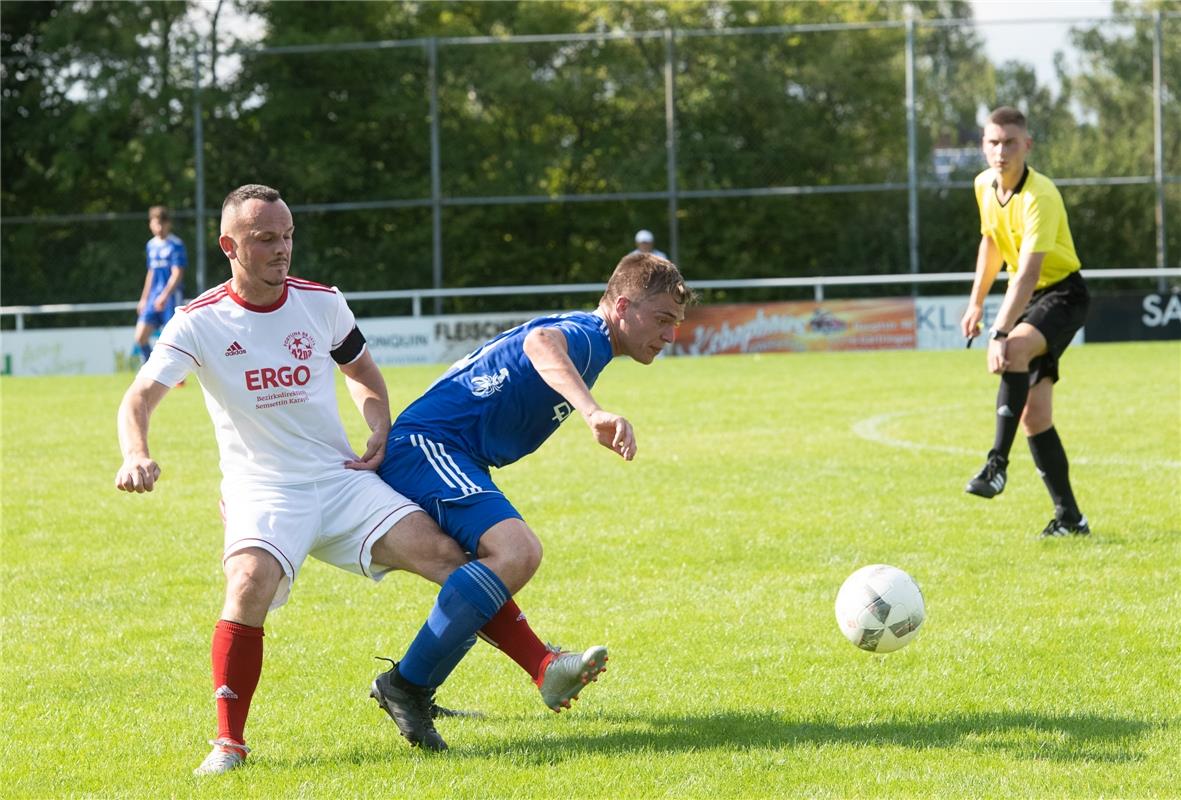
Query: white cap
{"type": "Point", "coordinates": [644, 236]}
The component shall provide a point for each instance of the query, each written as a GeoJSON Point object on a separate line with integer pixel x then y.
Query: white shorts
{"type": "Point", "coordinates": [335, 520]}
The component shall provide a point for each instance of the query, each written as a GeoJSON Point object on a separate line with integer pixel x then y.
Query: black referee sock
{"type": "Point", "coordinates": [1010, 403]}
{"type": "Point", "coordinates": [1050, 459]}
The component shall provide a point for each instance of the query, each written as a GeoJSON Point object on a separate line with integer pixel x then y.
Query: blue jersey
{"type": "Point", "coordinates": [163, 255]}
{"type": "Point", "coordinates": [493, 405]}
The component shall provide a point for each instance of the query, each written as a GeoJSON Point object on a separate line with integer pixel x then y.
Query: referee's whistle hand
{"type": "Point", "coordinates": [972, 322]}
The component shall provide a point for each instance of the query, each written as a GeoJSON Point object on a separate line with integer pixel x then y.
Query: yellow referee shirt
{"type": "Point", "coordinates": [1033, 219]}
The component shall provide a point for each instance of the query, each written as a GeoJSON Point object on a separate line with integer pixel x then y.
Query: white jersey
{"type": "Point", "coordinates": [268, 374]}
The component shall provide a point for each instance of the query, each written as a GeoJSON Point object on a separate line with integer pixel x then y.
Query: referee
{"type": "Point", "coordinates": [1023, 224]}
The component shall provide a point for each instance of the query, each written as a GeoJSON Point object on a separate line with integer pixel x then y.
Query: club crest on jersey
{"type": "Point", "coordinates": [300, 344]}
{"type": "Point", "coordinates": [488, 385]}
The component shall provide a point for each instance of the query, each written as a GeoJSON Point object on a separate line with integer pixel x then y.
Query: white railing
{"type": "Point", "coordinates": [817, 282]}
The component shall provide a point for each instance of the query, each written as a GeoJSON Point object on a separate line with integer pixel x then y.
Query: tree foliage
{"type": "Point", "coordinates": [97, 118]}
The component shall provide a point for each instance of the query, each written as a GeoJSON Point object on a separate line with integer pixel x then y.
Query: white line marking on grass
{"type": "Point", "coordinates": [870, 429]}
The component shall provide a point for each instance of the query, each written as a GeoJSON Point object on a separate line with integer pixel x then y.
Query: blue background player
{"type": "Point", "coordinates": [163, 285]}
{"type": "Point", "coordinates": [491, 408]}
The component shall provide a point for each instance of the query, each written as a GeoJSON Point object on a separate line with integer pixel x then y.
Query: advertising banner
{"type": "Point", "coordinates": [937, 320]}
{"type": "Point", "coordinates": [1134, 316]}
{"type": "Point", "coordinates": [72, 351]}
{"type": "Point", "coordinates": [433, 340]}
{"type": "Point", "coordinates": [391, 340]}
{"type": "Point", "coordinates": [886, 324]}
{"type": "Point", "coordinates": [924, 323]}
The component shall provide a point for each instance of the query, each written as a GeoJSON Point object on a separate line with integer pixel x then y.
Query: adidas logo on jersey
{"type": "Point", "coordinates": [235, 349]}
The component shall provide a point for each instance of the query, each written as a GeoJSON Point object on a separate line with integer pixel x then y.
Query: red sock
{"type": "Point", "coordinates": [509, 631]}
{"type": "Point", "coordinates": [237, 664]}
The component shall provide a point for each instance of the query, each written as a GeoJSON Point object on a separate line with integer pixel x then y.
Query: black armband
{"type": "Point", "coordinates": [350, 348]}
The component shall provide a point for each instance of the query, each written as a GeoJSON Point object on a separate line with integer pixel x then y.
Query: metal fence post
{"type": "Point", "coordinates": [199, 170]}
{"type": "Point", "coordinates": [1158, 147]}
{"type": "Point", "coordinates": [912, 177]}
{"type": "Point", "coordinates": [436, 190]}
{"type": "Point", "coordinates": [670, 143]}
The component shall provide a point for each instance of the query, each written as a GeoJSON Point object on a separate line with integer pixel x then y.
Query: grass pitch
{"type": "Point", "coordinates": [709, 566]}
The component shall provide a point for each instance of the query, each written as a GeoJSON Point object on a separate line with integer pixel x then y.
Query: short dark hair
{"type": "Point", "coordinates": [160, 213]}
{"type": "Point", "coordinates": [251, 191]}
{"type": "Point", "coordinates": [1007, 115]}
{"type": "Point", "coordinates": [642, 275]}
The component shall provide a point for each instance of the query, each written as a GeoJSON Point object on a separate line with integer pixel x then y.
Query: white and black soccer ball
{"type": "Point", "coordinates": [880, 608]}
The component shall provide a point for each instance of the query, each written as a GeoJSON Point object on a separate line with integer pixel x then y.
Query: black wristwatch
{"type": "Point", "coordinates": [998, 334]}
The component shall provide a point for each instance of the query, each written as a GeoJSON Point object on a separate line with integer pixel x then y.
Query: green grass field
{"type": "Point", "coordinates": [709, 566]}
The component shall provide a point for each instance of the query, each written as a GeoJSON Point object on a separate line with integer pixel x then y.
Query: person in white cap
{"type": "Point", "coordinates": [645, 243]}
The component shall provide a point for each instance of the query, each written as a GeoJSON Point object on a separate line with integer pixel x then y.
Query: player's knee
{"type": "Point", "coordinates": [251, 581]}
{"type": "Point", "coordinates": [522, 551]}
{"type": "Point", "coordinates": [513, 552]}
{"type": "Point", "coordinates": [1035, 420]}
{"type": "Point", "coordinates": [529, 557]}
{"type": "Point", "coordinates": [1019, 358]}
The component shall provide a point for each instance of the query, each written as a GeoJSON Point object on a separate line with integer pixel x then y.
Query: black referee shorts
{"type": "Point", "coordinates": [1057, 311]}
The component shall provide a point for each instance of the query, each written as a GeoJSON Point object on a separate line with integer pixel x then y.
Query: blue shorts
{"type": "Point", "coordinates": [157, 318]}
{"type": "Point", "coordinates": [448, 484]}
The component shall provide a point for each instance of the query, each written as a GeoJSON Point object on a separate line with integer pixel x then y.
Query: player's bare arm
{"type": "Point", "coordinates": [175, 277]}
{"type": "Point", "coordinates": [139, 472]}
{"type": "Point", "coordinates": [367, 387]}
{"type": "Point", "coordinates": [143, 298]}
{"type": "Point", "coordinates": [988, 265]}
{"type": "Point", "coordinates": [548, 352]}
{"type": "Point", "coordinates": [1017, 295]}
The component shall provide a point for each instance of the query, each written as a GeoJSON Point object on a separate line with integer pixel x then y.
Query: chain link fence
{"type": "Point", "coordinates": [705, 113]}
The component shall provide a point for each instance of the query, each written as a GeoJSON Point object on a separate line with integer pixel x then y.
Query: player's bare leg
{"type": "Point", "coordinates": [415, 544]}
{"type": "Point", "coordinates": [252, 577]}
{"type": "Point", "coordinates": [511, 550]}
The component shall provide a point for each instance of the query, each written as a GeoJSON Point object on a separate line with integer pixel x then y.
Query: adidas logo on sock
{"type": "Point", "coordinates": [1003, 411]}
{"type": "Point", "coordinates": [224, 692]}
{"type": "Point", "coordinates": [235, 349]}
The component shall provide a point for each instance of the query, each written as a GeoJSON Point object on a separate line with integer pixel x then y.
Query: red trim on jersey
{"type": "Point", "coordinates": [300, 283]}
{"type": "Point", "coordinates": [275, 306]}
{"type": "Point", "coordinates": [179, 350]}
{"type": "Point", "coordinates": [207, 299]}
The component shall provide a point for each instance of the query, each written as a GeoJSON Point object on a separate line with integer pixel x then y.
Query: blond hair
{"type": "Point", "coordinates": [642, 275]}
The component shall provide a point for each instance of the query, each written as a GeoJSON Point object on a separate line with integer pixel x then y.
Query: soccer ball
{"type": "Point", "coordinates": [880, 608]}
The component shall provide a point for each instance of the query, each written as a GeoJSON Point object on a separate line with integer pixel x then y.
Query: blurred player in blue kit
{"type": "Point", "coordinates": [163, 284]}
{"type": "Point", "coordinates": [1023, 225]}
{"type": "Point", "coordinates": [490, 409]}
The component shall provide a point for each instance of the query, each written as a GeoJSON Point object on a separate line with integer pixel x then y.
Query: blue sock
{"type": "Point", "coordinates": [451, 662]}
{"type": "Point", "coordinates": [469, 598]}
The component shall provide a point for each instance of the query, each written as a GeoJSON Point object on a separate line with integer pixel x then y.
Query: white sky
{"type": "Point", "coordinates": [1033, 42]}
{"type": "Point", "coordinates": [1030, 31]}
